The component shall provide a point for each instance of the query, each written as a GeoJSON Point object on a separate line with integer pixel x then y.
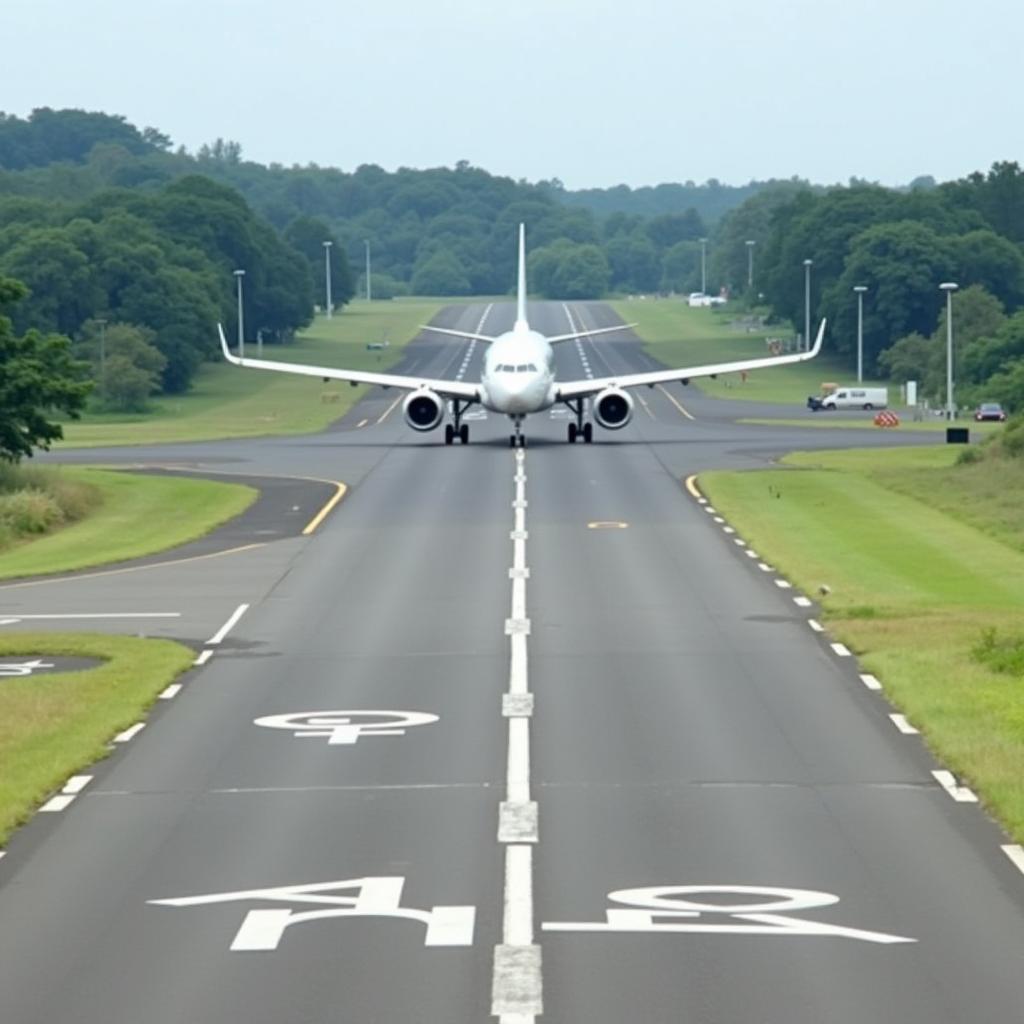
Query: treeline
{"type": "Point", "coordinates": [900, 246]}
{"type": "Point", "coordinates": [441, 231]}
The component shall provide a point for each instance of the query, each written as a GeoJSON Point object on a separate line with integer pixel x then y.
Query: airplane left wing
{"type": "Point", "coordinates": [582, 388]}
{"type": "Point", "coordinates": [445, 388]}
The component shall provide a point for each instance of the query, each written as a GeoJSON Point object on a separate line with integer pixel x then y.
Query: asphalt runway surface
{"type": "Point", "coordinates": [509, 736]}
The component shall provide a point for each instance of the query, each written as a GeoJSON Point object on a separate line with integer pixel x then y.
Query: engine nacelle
{"type": "Point", "coordinates": [423, 410]}
{"type": "Point", "coordinates": [613, 408]}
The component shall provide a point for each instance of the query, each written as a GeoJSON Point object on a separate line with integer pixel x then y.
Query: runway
{"type": "Point", "coordinates": [508, 737]}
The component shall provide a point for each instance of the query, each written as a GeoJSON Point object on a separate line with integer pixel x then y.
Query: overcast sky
{"type": "Point", "coordinates": [592, 92]}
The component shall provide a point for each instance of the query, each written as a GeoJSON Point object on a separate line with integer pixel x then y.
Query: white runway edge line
{"type": "Point", "coordinates": [130, 733]}
{"type": "Point", "coordinates": [66, 796]}
{"type": "Point", "coordinates": [229, 625]}
{"type": "Point", "coordinates": [1015, 853]}
{"type": "Point", "coordinates": [961, 794]}
{"type": "Point", "coordinates": [516, 986]}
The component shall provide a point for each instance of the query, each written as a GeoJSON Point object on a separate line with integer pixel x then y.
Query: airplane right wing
{"type": "Point", "coordinates": [582, 388]}
{"type": "Point", "coordinates": [445, 388]}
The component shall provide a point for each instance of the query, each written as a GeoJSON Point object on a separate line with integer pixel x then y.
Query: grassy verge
{"type": "Point", "coordinates": [865, 422]}
{"type": "Point", "coordinates": [136, 516]}
{"type": "Point", "coordinates": [925, 564]}
{"type": "Point", "coordinates": [228, 402]}
{"type": "Point", "coordinates": [53, 725]}
{"type": "Point", "coordinates": [677, 335]}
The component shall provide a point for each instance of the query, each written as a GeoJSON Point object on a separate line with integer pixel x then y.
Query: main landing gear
{"type": "Point", "coordinates": [458, 429]}
{"type": "Point", "coordinates": [579, 428]}
{"type": "Point", "coordinates": [518, 439]}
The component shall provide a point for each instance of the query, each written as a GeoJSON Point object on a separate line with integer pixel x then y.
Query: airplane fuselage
{"type": "Point", "coordinates": [519, 373]}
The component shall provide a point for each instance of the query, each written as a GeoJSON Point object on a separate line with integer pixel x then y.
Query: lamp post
{"type": "Point", "coordinates": [239, 274]}
{"type": "Point", "coordinates": [807, 303]}
{"type": "Point", "coordinates": [369, 293]}
{"type": "Point", "coordinates": [327, 277]}
{"type": "Point", "coordinates": [860, 289]}
{"type": "Point", "coordinates": [750, 263]}
{"type": "Point", "coordinates": [949, 287]}
{"type": "Point", "coordinates": [703, 266]}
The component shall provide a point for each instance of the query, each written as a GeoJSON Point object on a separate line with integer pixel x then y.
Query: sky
{"type": "Point", "coordinates": [591, 92]}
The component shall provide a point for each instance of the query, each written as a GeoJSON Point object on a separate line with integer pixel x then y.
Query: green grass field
{"type": "Point", "coordinates": [677, 335]}
{"type": "Point", "coordinates": [138, 515]}
{"type": "Point", "coordinates": [54, 725]}
{"type": "Point", "coordinates": [924, 560]}
{"type": "Point", "coordinates": [226, 401]}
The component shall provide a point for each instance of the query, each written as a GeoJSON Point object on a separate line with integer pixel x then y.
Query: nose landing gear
{"type": "Point", "coordinates": [518, 439]}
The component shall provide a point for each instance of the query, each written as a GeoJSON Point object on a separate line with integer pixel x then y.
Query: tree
{"type": "Point", "coordinates": [307, 235]}
{"type": "Point", "coordinates": [127, 365]}
{"type": "Point", "coordinates": [440, 274]}
{"type": "Point", "coordinates": [37, 376]}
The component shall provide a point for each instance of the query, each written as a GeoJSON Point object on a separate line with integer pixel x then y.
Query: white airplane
{"type": "Point", "coordinates": [519, 378]}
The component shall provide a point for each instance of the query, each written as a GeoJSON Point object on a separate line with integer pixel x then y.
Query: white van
{"type": "Point", "coordinates": [856, 398]}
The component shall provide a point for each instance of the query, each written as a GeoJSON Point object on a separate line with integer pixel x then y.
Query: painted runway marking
{"type": "Point", "coordinates": [961, 794]}
{"type": "Point", "coordinates": [345, 728]}
{"type": "Point", "coordinates": [361, 424]}
{"type": "Point", "coordinates": [130, 734]}
{"type": "Point", "coordinates": [89, 615]}
{"type": "Point", "coordinates": [870, 681]}
{"type": "Point", "coordinates": [76, 783]}
{"type": "Point", "coordinates": [171, 692]}
{"type": "Point", "coordinates": [262, 930]}
{"type": "Point", "coordinates": [339, 493]}
{"type": "Point", "coordinates": [841, 650]}
{"type": "Point", "coordinates": [229, 625]}
{"type": "Point", "coordinates": [57, 803]}
{"type": "Point", "coordinates": [816, 625]}
{"type": "Point", "coordinates": [783, 584]}
{"type": "Point", "coordinates": [67, 795]}
{"type": "Point", "coordinates": [204, 657]}
{"type": "Point", "coordinates": [1016, 854]}
{"type": "Point", "coordinates": [22, 668]}
{"type": "Point", "coordinates": [803, 602]}
{"type": "Point", "coordinates": [662, 389]}
{"type": "Point", "coordinates": [901, 723]}
{"type": "Point", "coordinates": [673, 909]}
{"type": "Point", "coordinates": [387, 412]}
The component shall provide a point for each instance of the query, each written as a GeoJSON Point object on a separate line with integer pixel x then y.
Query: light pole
{"type": "Point", "coordinates": [327, 276]}
{"type": "Point", "coordinates": [807, 303]}
{"type": "Point", "coordinates": [860, 289]}
{"type": "Point", "coordinates": [750, 264]}
{"type": "Point", "coordinates": [369, 293]}
{"type": "Point", "coordinates": [703, 266]}
{"type": "Point", "coordinates": [239, 274]}
{"type": "Point", "coordinates": [949, 287]}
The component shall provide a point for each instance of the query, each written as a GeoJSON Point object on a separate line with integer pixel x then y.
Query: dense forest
{"type": "Point", "coordinates": [129, 246]}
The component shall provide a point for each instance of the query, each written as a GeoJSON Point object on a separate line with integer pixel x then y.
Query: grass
{"type": "Point", "coordinates": [865, 422]}
{"type": "Point", "coordinates": [925, 564]}
{"type": "Point", "coordinates": [226, 401]}
{"type": "Point", "coordinates": [677, 335]}
{"type": "Point", "coordinates": [51, 726]}
{"type": "Point", "coordinates": [137, 515]}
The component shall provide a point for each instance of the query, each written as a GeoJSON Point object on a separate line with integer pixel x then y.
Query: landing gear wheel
{"type": "Point", "coordinates": [522, 440]}
{"type": "Point", "coordinates": [449, 433]}
{"type": "Point", "coordinates": [511, 440]}
{"type": "Point", "coordinates": [572, 433]}
{"type": "Point", "coordinates": [588, 433]}
{"type": "Point", "coordinates": [464, 433]}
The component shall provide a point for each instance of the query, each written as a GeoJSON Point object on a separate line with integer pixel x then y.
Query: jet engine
{"type": "Point", "coordinates": [423, 409]}
{"type": "Point", "coordinates": [613, 408]}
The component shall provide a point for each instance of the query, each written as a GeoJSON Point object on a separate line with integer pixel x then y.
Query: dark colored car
{"type": "Point", "coordinates": [989, 411]}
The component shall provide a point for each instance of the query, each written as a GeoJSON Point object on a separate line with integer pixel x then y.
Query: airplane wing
{"type": "Point", "coordinates": [587, 334]}
{"type": "Point", "coordinates": [445, 388]}
{"type": "Point", "coordinates": [578, 388]}
{"type": "Point", "coordinates": [458, 334]}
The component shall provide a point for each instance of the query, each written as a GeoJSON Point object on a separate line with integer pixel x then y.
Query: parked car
{"type": "Point", "coordinates": [989, 411]}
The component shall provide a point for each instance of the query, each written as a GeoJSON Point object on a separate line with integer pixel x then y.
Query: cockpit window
{"type": "Point", "coordinates": [522, 368]}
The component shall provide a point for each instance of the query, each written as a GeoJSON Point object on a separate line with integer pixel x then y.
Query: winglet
{"type": "Point", "coordinates": [818, 340]}
{"type": "Point", "coordinates": [521, 287]}
{"type": "Point", "coordinates": [224, 348]}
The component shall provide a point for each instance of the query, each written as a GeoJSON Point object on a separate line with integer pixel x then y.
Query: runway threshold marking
{"type": "Point", "coordinates": [323, 513]}
{"type": "Point", "coordinates": [229, 625]}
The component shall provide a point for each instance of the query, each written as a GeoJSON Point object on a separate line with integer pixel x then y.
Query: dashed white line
{"type": "Point", "coordinates": [76, 783]}
{"type": "Point", "coordinates": [803, 602]}
{"type": "Point", "coordinates": [816, 625]}
{"type": "Point", "coordinates": [57, 803]}
{"type": "Point", "coordinates": [841, 650]}
{"type": "Point", "coordinates": [229, 625]}
{"type": "Point", "coordinates": [961, 794]}
{"type": "Point", "coordinates": [783, 584]}
{"type": "Point", "coordinates": [204, 657]}
{"type": "Point", "coordinates": [901, 723]}
{"type": "Point", "coordinates": [870, 681]}
{"type": "Point", "coordinates": [130, 733]}
{"type": "Point", "coordinates": [171, 692]}
{"type": "Point", "coordinates": [1016, 854]}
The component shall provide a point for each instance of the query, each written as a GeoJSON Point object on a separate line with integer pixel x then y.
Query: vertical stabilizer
{"type": "Point", "coordinates": [521, 288]}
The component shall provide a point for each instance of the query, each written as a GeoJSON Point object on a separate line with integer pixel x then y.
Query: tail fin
{"type": "Point", "coordinates": [521, 290]}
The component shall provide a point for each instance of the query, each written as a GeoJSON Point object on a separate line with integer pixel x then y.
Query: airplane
{"type": "Point", "coordinates": [518, 378]}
